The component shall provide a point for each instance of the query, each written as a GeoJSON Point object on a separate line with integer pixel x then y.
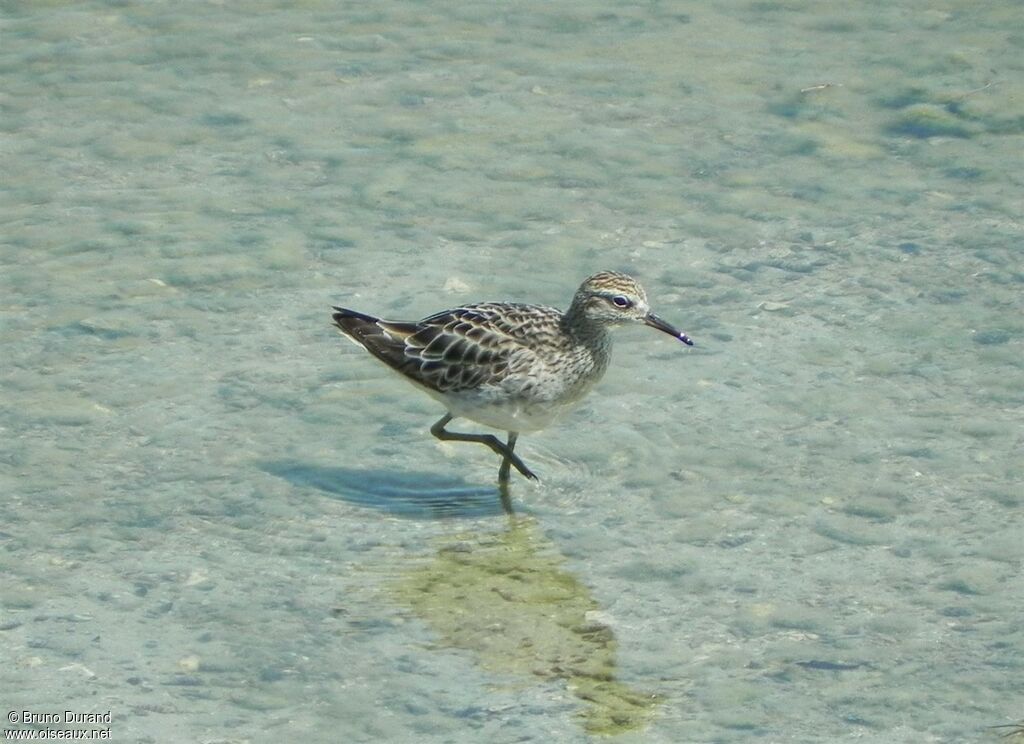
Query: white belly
{"type": "Point", "coordinates": [509, 413]}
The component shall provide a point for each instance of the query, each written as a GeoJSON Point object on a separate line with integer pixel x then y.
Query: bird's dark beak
{"type": "Point", "coordinates": [655, 322]}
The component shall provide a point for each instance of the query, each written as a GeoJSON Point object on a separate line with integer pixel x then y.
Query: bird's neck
{"type": "Point", "coordinates": [584, 330]}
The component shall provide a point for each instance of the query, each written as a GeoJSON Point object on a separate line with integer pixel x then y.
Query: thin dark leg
{"type": "Point", "coordinates": [489, 440]}
{"type": "Point", "coordinates": [505, 462]}
{"type": "Point", "coordinates": [506, 500]}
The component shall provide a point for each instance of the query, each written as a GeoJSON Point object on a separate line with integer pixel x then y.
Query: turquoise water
{"type": "Point", "coordinates": [220, 522]}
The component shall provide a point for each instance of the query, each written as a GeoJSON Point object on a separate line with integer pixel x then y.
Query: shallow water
{"type": "Point", "coordinates": [221, 523]}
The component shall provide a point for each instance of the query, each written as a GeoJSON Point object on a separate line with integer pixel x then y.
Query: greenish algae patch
{"type": "Point", "coordinates": [927, 120]}
{"type": "Point", "coordinates": [507, 598]}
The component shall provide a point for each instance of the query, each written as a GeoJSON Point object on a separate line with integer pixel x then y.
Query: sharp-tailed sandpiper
{"type": "Point", "coordinates": [506, 365]}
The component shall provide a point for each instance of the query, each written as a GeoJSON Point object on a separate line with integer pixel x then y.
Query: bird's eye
{"type": "Point", "coordinates": [621, 301]}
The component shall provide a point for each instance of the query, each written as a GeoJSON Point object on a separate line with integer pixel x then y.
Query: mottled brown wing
{"type": "Point", "coordinates": [454, 350]}
{"type": "Point", "coordinates": [467, 347]}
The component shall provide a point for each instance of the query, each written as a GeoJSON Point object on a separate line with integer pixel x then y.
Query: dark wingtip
{"type": "Point", "coordinates": [686, 339]}
{"type": "Point", "coordinates": [344, 313]}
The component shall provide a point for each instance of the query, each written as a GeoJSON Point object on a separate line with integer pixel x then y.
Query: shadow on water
{"type": "Point", "coordinates": [410, 495]}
